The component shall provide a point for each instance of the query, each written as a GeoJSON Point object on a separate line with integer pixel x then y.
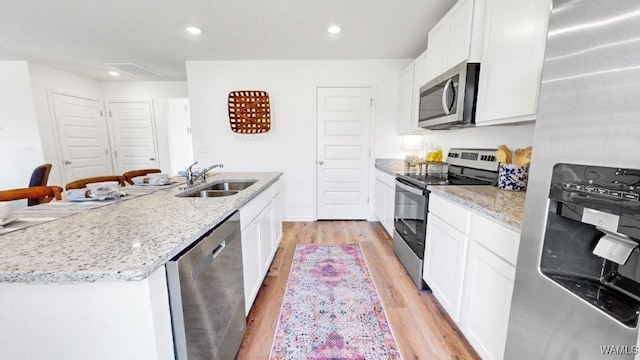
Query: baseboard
{"type": "Point", "coordinates": [298, 218]}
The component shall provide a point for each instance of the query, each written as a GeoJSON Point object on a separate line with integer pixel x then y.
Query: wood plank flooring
{"type": "Point", "coordinates": [421, 328]}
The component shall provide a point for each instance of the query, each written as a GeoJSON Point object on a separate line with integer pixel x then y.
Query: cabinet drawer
{"type": "Point", "coordinates": [250, 210]}
{"type": "Point", "coordinates": [455, 215]}
{"type": "Point", "coordinates": [387, 179]}
{"type": "Point", "coordinates": [497, 238]}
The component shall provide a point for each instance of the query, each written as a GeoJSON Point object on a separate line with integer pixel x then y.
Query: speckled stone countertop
{"type": "Point", "coordinates": [390, 166]}
{"type": "Point", "coordinates": [125, 241]}
{"type": "Point", "coordinates": [502, 205]}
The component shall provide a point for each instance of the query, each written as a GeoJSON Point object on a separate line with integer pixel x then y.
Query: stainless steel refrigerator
{"type": "Point", "coordinates": [577, 290]}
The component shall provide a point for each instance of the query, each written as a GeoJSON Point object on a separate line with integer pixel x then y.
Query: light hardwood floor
{"type": "Point", "coordinates": [420, 326]}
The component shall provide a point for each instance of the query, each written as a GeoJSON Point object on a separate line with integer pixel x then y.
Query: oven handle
{"type": "Point", "coordinates": [409, 188]}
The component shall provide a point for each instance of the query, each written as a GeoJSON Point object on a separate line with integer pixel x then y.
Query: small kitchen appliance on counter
{"type": "Point", "coordinates": [466, 167]}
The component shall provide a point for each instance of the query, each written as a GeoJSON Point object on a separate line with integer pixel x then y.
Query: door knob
{"type": "Point", "coordinates": [152, 158]}
{"type": "Point", "coordinates": [320, 162]}
{"type": "Point", "coordinates": [67, 162]}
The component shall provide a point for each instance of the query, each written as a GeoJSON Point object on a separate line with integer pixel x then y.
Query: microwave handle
{"type": "Point", "coordinates": [445, 100]}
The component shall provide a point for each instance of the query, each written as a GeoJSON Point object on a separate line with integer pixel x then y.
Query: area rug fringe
{"type": "Point", "coordinates": [331, 343]}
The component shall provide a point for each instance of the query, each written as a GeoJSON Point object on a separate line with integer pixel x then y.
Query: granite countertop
{"type": "Point", "coordinates": [390, 166]}
{"type": "Point", "coordinates": [502, 205]}
{"type": "Point", "coordinates": [125, 241]}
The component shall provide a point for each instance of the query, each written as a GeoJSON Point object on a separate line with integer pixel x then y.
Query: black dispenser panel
{"type": "Point", "coordinates": [570, 237]}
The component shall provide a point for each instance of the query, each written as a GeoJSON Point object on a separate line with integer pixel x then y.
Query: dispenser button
{"type": "Point", "coordinates": [615, 194]}
{"type": "Point", "coordinates": [630, 196]}
{"type": "Point", "coordinates": [590, 189]}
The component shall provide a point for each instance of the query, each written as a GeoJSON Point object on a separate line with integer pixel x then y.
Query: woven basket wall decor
{"type": "Point", "coordinates": [249, 111]}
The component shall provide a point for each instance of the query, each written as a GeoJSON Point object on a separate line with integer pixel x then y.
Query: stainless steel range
{"type": "Point", "coordinates": [466, 167]}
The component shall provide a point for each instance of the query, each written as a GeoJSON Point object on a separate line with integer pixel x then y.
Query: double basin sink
{"type": "Point", "coordinates": [218, 189]}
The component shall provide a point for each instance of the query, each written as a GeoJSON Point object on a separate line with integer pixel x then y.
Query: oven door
{"type": "Point", "coordinates": [410, 215]}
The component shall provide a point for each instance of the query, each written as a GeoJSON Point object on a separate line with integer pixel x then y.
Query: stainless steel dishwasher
{"type": "Point", "coordinates": [206, 294]}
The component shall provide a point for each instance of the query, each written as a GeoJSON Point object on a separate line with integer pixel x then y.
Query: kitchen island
{"type": "Point", "coordinates": [93, 285]}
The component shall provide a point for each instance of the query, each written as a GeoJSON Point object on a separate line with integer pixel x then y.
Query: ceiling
{"type": "Point", "coordinates": [81, 36]}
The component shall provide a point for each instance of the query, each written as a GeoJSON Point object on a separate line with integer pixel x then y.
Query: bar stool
{"type": "Point", "coordinates": [129, 175]}
{"type": "Point", "coordinates": [82, 183]}
{"type": "Point", "coordinates": [43, 194]}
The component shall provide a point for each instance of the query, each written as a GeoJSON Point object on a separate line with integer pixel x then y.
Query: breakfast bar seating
{"type": "Point", "coordinates": [82, 183]}
{"type": "Point", "coordinates": [129, 175]}
{"type": "Point", "coordinates": [43, 194]}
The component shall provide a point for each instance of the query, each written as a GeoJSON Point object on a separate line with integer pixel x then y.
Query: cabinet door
{"type": "Point", "coordinates": [438, 48]}
{"type": "Point", "coordinates": [277, 221]}
{"type": "Point", "coordinates": [459, 33]}
{"type": "Point", "coordinates": [420, 77]}
{"type": "Point", "coordinates": [389, 209]}
{"type": "Point", "coordinates": [251, 269]}
{"type": "Point", "coordinates": [512, 57]}
{"type": "Point", "coordinates": [405, 100]}
{"type": "Point", "coordinates": [266, 239]}
{"type": "Point", "coordinates": [488, 287]}
{"type": "Point", "coordinates": [378, 200]}
{"type": "Point", "coordinates": [444, 262]}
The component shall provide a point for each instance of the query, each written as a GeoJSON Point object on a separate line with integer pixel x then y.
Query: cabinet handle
{"type": "Point", "coordinates": [320, 162]}
{"type": "Point", "coordinates": [67, 162]}
{"type": "Point", "coordinates": [152, 158]}
{"type": "Point", "coordinates": [445, 100]}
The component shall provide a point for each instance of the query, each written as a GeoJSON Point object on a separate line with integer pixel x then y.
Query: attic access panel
{"type": "Point", "coordinates": [249, 111]}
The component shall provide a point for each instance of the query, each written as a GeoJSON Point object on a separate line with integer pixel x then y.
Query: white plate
{"type": "Point", "coordinates": [147, 184]}
{"type": "Point", "coordinates": [9, 220]}
{"type": "Point", "coordinates": [82, 199]}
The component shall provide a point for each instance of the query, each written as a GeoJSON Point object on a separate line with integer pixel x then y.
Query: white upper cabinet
{"type": "Point", "coordinates": [405, 100]}
{"type": "Point", "coordinates": [411, 79]}
{"type": "Point", "coordinates": [450, 39]}
{"type": "Point", "coordinates": [461, 16]}
{"type": "Point", "coordinates": [511, 63]}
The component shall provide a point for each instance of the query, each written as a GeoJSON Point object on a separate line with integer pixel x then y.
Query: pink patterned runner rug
{"type": "Point", "coordinates": [331, 308]}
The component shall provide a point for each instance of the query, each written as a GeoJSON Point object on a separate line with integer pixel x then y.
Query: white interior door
{"type": "Point", "coordinates": [83, 138]}
{"type": "Point", "coordinates": [134, 139]}
{"type": "Point", "coordinates": [180, 139]}
{"type": "Point", "coordinates": [344, 121]}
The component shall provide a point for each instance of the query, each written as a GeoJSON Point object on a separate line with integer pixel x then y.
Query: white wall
{"type": "Point", "coordinates": [158, 92]}
{"type": "Point", "coordinates": [487, 137]}
{"type": "Point", "coordinates": [179, 128]}
{"type": "Point", "coordinates": [20, 149]}
{"type": "Point", "coordinates": [290, 146]}
{"type": "Point", "coordinates": [45, 79]}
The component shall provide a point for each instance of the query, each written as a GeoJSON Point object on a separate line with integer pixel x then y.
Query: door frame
{"type": "Point", "coordinates": [154, 129]}
{"type": "Point", "coordinates": [56, 133]}
{"type": "Point", "coordinates": [372, 128]}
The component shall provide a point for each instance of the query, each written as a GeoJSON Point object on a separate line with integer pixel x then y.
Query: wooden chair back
{"type": "Point", "coordinates": [82, 183]}
{"type": "Point", "coordinates": [39, 177]}
{"type": "Point", "coordinates": [44, 194]}
{"type": "Point", "coordinates": [133, 173]}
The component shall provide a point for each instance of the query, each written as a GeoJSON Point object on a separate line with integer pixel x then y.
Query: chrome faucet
{"type": "Point", "coordinates": [191, 179]}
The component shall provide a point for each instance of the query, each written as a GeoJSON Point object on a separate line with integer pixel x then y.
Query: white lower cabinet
{"type": "Point", "coordinates": [472, 274]}
{"type": "Point", "coordinates": [384, 197]}
{"type": "Point", "coordinates": [488, 286]}
{"type": "Point", "coordinates": [445, 250]}
{"type": "Point", "coordinates": [261, 224]}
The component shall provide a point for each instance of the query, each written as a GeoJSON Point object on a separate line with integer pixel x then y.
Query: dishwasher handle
{"type": "Point", "coordinates": [200, 267]}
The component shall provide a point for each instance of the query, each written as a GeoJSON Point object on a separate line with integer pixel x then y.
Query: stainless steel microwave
{"type": "Point", "coordinates": [449, 101]}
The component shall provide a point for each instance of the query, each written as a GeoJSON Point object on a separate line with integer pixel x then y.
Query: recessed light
{"type": "Point", "coordinates": [114, 73]}
{"type": "Point", "coordinates": [334, 29]}
{"type": "Point", "coordinates": [194, 30]}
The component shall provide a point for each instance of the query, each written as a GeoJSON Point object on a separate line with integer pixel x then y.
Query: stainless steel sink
{"type": "Point", "coordinates": [213, 193]}
{"type": "Point", "coordinates": [230, 185]}
{"type": "Point", "coordinates": [218, 189]}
